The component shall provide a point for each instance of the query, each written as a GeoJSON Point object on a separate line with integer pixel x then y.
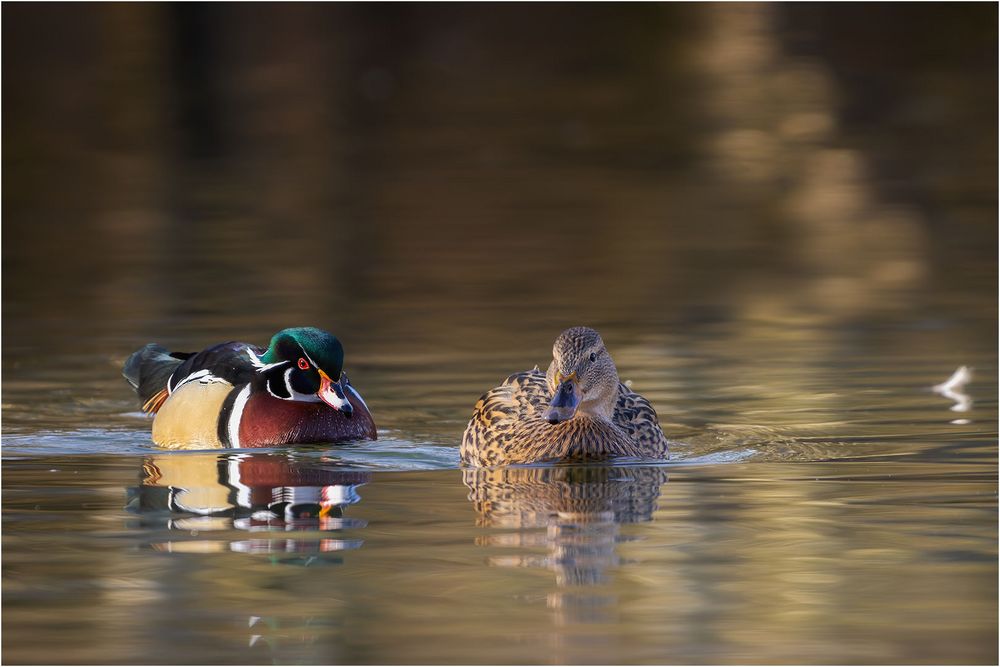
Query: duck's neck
{"type": "Point", "coordinates": [601, 408]}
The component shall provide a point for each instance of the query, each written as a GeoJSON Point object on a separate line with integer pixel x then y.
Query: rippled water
{"type": "Point", "coordinates": [841, 517]}
{"type": "Point", "coordinates": [785, 234]}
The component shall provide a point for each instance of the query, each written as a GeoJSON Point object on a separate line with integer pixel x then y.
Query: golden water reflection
{"type": "Point", "coordinates": [573, 516]}
{"type": "Point", "coordinates": [782, 218]}
{"type": "Point", "coordinates": [286, 504]}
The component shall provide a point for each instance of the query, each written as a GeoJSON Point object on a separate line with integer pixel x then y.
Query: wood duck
{"type": "Point", "coordinates": [577, 411]}
{"type": "Point", "coordinates": [241, 395]}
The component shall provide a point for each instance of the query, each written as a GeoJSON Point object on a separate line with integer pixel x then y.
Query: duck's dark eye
{"type": "Point", "coordinates": [593, 356]}
{"type": "Point", "coordinates": [303, 364]}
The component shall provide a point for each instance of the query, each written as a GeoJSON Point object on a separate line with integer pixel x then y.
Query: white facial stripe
{"type": "Point", "coordinates": [254, 359]}
{"type": "Point", "coordinates": [306, 354]}
{"type": "Point", "coordinates": [331, 398]}
{"type": "Point", "coordinates": [267, 385]}
{"type": "Point", "coordinates": [294, 395]}
{"type": "Point", "coordinates": [260, 365]}
{"type": "Point", "coordinates": [233, 427]}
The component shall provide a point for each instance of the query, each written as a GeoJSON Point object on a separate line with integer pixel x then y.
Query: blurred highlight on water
{"type": "Point", "coordinates": [362, 166]}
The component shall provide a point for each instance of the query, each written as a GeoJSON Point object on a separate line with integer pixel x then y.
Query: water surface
{"type": "Point", "coordinates": [843, 517]}
{"type": "Point", "coordinates": [781, 218]}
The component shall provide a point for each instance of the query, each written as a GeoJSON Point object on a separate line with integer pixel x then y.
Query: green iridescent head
{"type": "Point", "coordinates": [316, 359]}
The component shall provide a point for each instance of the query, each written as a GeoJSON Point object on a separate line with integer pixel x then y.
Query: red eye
{"type": "Point", "coordinates": [303, 364]}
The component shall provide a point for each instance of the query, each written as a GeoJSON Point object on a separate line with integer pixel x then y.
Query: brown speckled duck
{"type": "Point", "coordinates": [577, 411]}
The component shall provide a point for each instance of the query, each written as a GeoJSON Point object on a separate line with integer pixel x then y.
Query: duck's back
{"type": "Point", "coordinates": [504, 417]}
{"type": "Point", "coordinates": [188, 391]}
{"type": "Point", "coordinates": [507, 426]}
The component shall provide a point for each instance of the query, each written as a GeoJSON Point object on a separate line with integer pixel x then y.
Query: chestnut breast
{"type": "Point", "coordinates": [269, 421]}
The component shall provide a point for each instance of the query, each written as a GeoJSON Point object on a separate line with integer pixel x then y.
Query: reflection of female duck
{"type": "Point", "coordinates": [524, 497]}
{"type": "Point", "coordinates": [577, 410]}
{"type": "Point", "coordinates": [580, 506]}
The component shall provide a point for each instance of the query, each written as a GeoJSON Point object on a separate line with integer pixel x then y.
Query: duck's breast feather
{"type": "Point", "coordinates": [267, 421]}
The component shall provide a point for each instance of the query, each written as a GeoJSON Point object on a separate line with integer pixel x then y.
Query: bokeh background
{"type": "Point", "coordinates": [431, 173]}
{"type": "Point", "coordinates": [781, 217]}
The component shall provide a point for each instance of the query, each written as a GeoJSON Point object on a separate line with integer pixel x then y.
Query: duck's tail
{"type": "Point", "coordinates": [148, 370]}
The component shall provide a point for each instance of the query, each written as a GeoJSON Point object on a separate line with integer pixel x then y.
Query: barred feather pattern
{"type": "Point", "coordinates": [580, 507]}
{"type": "Point", "coordinates": [507, 427]}
{"type": "Point", "coordinates": [519, 497]}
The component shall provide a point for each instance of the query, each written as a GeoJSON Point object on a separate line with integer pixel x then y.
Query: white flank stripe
{"type": "Point", "coordinates": [242, 490]}
{"type": "Point", "coordinates": [193, 376]}
{"type": "Point", "coordinates": [204, 376]}
{"type": "Point", "coordinates": [236, 415]}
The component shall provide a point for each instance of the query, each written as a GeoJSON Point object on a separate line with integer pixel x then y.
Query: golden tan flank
{"type": "Point", "coordinates": [190, 417]}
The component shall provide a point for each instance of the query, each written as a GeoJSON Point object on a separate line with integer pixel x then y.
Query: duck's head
{"type": "Point", "coordinates": [306, 364]}
{"type": "Point", "coordinates": [582, 377]}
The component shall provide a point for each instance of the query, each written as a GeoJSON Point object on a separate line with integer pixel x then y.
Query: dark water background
{"type": "Point", "coordinates": [782, 218]}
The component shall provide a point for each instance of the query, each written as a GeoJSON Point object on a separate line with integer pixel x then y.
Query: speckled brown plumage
{"type": "Point", "coordinates": [518, 497]}
{"type": "Point", "coordinates": [580, 507]}
{"type": "Point", "coordinates": [508, 425]}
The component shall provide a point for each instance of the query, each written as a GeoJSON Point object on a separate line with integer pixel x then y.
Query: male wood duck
{"type": "Point", "coordinates": [241, 395]}
{"type": "Point", "coordinates": [578, 410]}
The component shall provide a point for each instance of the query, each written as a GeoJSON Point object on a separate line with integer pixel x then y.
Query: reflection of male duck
{"type": "Point", "coordinates": [581, 508]}
{"type": "Point", "coordinates": [250, 491]}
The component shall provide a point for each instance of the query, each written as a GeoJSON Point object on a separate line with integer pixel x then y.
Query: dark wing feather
{"type": "Point", "coordinates": [228, 361]}
{"type": "Point", "coordinates": [152, 367]}
{"type": "Point", "coordinates": [148, 370]}
{"type": "Point", "coordinates": [636, 416]}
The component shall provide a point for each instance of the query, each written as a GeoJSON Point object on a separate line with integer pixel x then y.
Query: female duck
{"type": "Point", "coordinates": [241, 395]}
{"type": "Point", "coordinates": [578, 410]}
